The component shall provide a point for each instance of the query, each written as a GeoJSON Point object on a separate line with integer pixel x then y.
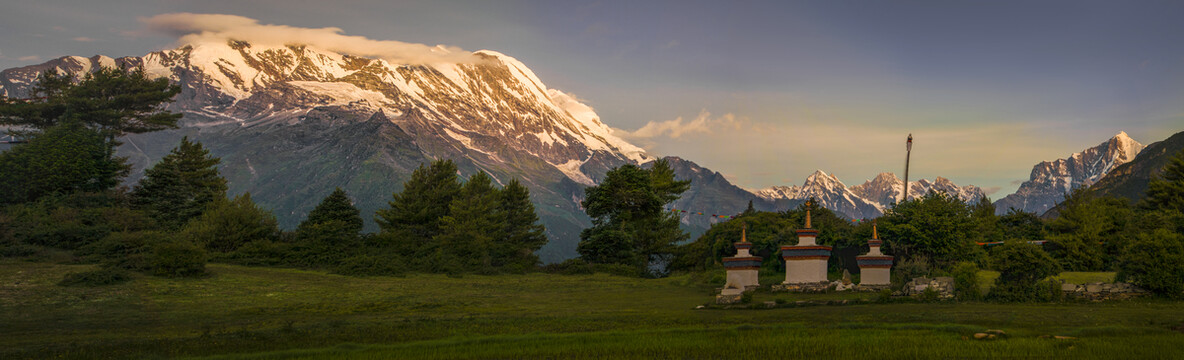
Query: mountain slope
{"type": "Point", "coordinates": [1051, 180]}
{"type": "Point", "coordinates": [1130, 180]}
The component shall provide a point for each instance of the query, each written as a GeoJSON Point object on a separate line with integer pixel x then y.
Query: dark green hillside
{"type": "Point", "coordinates": [1130, 180]}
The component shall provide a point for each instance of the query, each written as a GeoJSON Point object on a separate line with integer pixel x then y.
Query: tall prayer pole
{"type": "Point", "coordinates": [908, 151]}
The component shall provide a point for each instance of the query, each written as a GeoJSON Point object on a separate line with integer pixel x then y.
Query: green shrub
{"type": "Point", "coordinates": [570, 267]}
{"type": "Point", "coordinates": [884, 297]}
{"type": "Point", "coordinates": [371, 265]}
{"type": "Point", "coordinates": [908, 269]}
{"type": "Point", "coordinates": [123, 250]}
{"type": "Point", "coordinates": [1155, 262]}
{"type": "Point", "coordinates": [966, 287]}
{"type": "Point", "coordinates": [1021, 268]}
{"type": "Point", "coordinates": [260, 253]}
{"type": "Point", "coordinates": [18, 250]}
{"type": "Point", "coordinates": [746, 297]}
{"type": "Point", "coordinates": [96, 278]}
{"type": "Point", "coordinates": [177, 259]}
{"type": "Point", "coordinates": [228, 224]}
{"type": "Point", "coordinates": [617, 269]}
{"type": "Point", "coordinates": [929, 295]}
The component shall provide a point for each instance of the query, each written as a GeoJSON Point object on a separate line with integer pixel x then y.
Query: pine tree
{"type": "Point", "coordinates": [1166, 191]}
{"type": "Point", "coordinates": [334, 217]}
{"type": "Point", "coordinates": [66, 158]}
{"type": "Point", "coordinates": [468, 232]}
{"type": "Point", "coordinates": [112, 101]}
{"type": "Point", "coordinates": [180, 186]}
{"type": "Point", "coordinates": [522, 235]}
{"type": "Point", "coordinates": [629, 225]}
{"type": "Point", "coordinates": [416, 211]}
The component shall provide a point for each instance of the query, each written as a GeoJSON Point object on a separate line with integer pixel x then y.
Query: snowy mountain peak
{"type": "Point", "coordinates": [487, 108]}
{"type": "Point", "coordinates": [1051, 180]}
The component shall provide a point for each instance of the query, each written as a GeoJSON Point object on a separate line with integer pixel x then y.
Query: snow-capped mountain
{"type": "Point", "coordinates": [885, 189]}
{"type": "Point", "coordinates": [293, 122]}
{"type": "Point", "coordinates": [829, 192]}
{"type": "Point", "coordinates": [867, 200]}
{"type": "Point", "coordinates": [1051, 180]}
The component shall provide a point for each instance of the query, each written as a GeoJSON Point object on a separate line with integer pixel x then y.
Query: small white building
{"type": "Point", "coordinates": [743, 268]}
{"type": "Point", "coordinates": [875, 268]}
{"type": "Point", "coordinates": [805, 263]}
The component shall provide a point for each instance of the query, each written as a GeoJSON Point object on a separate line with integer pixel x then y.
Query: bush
{"type": "Point", "coordinates": [18, 250]}
{"type": "Point", "coordinates": [123, 250]}
{"type": "Point", "coordinates": [570, 267]}
{"type": "Point", "coordinates": [966, 286]}
{"type": "Point", "coordinates": [177, 259]}
{"type": "Point", "coordinates": [96, 278]}
{"type": "Point", "coordinates": [906, 270]}
{"type": "Point", "coordinates": [1155, 262]}
{"type": "Point", "coordinates": [618, 269]}
{"type": "Point", "coordinates": [260, 253]}
{"type": "Point", "coordinates": [929, 295]}
{"type": "Point", "coordinates": [371, 265]}
{"type": "Point", "coordinates": [1021, 267]}
{"type": "Point", "coordinates": [228, 224]}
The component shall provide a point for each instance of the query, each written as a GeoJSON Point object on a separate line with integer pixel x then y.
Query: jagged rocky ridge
{"type": "Point", "coordinates": [1051, 180]}
{"type": "Point", "coordinates": [867, 200]}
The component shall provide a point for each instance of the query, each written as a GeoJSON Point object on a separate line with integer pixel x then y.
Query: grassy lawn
{"type": "Point", "coordinates": [265, 313]}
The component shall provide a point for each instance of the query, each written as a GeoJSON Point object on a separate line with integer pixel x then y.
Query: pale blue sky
{"type": "Point", "coordinates": [782, 88]}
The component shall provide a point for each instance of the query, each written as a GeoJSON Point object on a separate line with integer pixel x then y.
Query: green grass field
{"type": "Point", "coordinates": [264, 313]}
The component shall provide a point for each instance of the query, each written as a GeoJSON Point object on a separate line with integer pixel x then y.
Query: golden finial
{"type": "Point", "coordinates": [875, 235]}
{"type": "Point", "coordinates": [808, 205]}
{"type": "Point", "coordinates": [743, 232]}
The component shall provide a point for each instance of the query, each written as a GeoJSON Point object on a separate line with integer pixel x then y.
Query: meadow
{"type": "Point", "coordinates": [267, 313]}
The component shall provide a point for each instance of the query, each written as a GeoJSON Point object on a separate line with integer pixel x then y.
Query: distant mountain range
{"type": "Point", "coordinates": [867, 200]}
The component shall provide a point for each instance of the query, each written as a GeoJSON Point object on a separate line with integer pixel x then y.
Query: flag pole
{"type": "Point", "coordinates": [908, 151]}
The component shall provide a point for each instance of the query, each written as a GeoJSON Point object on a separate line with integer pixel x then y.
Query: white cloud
{"type": "Point", "coordinates": [29, 58]}
{"type": "Point", "coordinates": [83, 39]}
{"type": "Point", "coordinates": [702, 124]}
{"type": "Point", "coordinates": [200, 28]}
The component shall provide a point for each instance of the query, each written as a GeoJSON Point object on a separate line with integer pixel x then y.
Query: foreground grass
{"type": "Point", "coordinates": [244, 312]}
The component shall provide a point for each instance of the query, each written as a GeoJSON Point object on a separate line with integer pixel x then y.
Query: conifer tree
{"type": "Point", "coordinates": [416, 211]}
{"type": "Point", "coordinates": [180, 186]}
{"type": "Point", "coordinates": [1166, 191]}
{"type": "Point", "coordinates": [334, 217]}
{"type": "Point", "coordinates": [522, 235]}
{"type": "Point", "coordinates": [629, 225]}
{"type": "Point", "coordinates": [111, 101]}
{"type": "Point", "coordinates": [66, 158]}
{"type": "Point", "coordinates": [468, 232]}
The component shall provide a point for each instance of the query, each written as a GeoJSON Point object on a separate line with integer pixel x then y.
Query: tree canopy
{"type": "Point", "coordinates": [66, 158]}
{"type": "Point", "coordinates": [629, 225]}
{"type": "Point", "coordinates": [111, 101]}
{"type": "Point", "coordinates": [178, 188]}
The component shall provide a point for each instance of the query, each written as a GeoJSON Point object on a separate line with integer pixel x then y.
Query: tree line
{"type": "Point", "coordinates": [60, 193]}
